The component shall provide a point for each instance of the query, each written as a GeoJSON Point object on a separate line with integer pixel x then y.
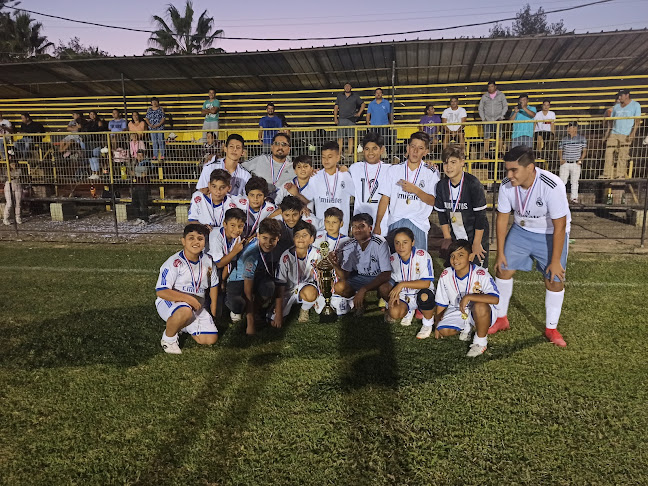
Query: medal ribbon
{"type": "Point", "coordinates": [408, 266]}
{"type": "Point", "coordinates": [328, 187]}
{"type": "Point", "coordinates": [226, 247]}
{"type": "Point", "coordinates": [454, 278]}
{"type": "Point", "coordinates": [455, 204]}
{"type": "Point", "coordinates": [195, 283]}
{"type": "Point", "coordinates": [283, 166]}
{"type": "Point", "coordinates": [218, 222]}
{"type": "Point", "coordinates": [417, 172]}
{"type": "Point", "coordinates": [374, 186]}
{"type": "Point", "coordinates": [337, 240]}
{"type": "Point", "coordinates": [522, 209]}
{"type": "Point", "coordinates": [257, 220]}
{"type": "Point", "coordinates": [264, 263]}
{"type": "Point", "coordinates": [296, 182]}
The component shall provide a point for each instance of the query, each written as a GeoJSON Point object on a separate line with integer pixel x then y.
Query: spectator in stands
{"type": "Point", "coordinates": [75, 126]}
{"type": "Point", "coordinates": [522, 132]}
{"type": "Point", "coordinates": [619, 137]}
{"type": "Point", "coordinates": [269, 121]}
{"type": "Point", "coordinates": [430, 117]}
{"type": "Point", "coordinates": [13, 193]}
{"type": "Point", "coordinates": [571, 152]}
{"type": "Point", "coordinates": [6, 128]}
{"type": "Point", "coordinates": [211, 147]}
{"type": "Point", "coordinates": [140, 192]}
{"type": "Point", "coordinates": [348, 108]}
{"type": "Point", "coordinates": [155, 118]}
{"type": "Point", "coordinates": [29, 126]}
{"type": "Point", "coordinates": [276, 167]}
{"type": "Point", "coordinates": [211, 110]}
{"type": "Point", "coordinates": [284, 124]}
{"type": "Point", "coordinates": [94, 142]}
{"type": "Point", "coordinates": [117, 124]}
{"type": "Point", "coordinates": [136, 124]}
{"type": "Point", "coordinates": [492, 107]}
{"type": "Point", "coordinates": [545, 129]}
{"type": "Point", "coordinates": [379, 112]}
{"type": "Point", "coordinates": [454, 114]}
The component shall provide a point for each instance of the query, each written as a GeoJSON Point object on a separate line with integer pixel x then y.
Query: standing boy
{"type": "Point", "coordinates": [210, 209]}
{"type": "Point", "coordinates": [571, 151]}
{"type": "Point", "coordinates": [540, 232]}
{"type": "Point", "coordinates": [453, 114]}
{"type": "Point", "coordinates": [522, 132]}
{"type": "Point", "coordinates": [184, 279]}
{"type": "Point", "coordinates": [268, 122]}
{"type": "Point", "coordinates": [234, 148]}
{"type": "Point", "coordinates": [408, 193]}
{"type": "Point", "coordinates": [211, 110]}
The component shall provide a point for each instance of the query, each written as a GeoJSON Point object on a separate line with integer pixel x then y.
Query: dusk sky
{"type": "Point", "coordinates": [292, 18]}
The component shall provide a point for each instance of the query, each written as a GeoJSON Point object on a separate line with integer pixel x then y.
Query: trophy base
{"type": "Point", "coordinates": [328, 315]}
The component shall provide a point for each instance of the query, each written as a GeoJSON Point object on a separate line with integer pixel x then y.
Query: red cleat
{"type": "Point", "coordinates": [501, 324]}
{"type": "Point", "coordinates": [555, 337]}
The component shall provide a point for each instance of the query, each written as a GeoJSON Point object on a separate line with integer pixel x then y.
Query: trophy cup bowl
{"type": "Point", "coordinates": [325, 280]}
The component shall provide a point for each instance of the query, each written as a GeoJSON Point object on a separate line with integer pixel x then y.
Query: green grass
{"type": "Point", "coordinates": [88, 397]}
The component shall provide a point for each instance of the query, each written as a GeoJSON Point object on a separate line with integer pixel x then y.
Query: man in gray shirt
{"type": "Point", "coordinates": [348, 108]}
{"type": "Point", "coordinates": [276, 167]}
{"type": "Point", "coordinates": [492, 107]}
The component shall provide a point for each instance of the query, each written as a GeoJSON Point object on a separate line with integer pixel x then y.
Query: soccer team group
{"type": "Point", "coordinates": [255, 230]}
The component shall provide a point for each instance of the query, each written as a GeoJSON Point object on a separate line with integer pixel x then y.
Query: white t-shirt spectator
{"type": "Point", "coordinates": [544, 127]}
{"type": "Point", "coordinates": [454, 116]}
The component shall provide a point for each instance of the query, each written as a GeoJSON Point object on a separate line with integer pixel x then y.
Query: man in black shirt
{"type": "Point", "coordinates": [24, 145]}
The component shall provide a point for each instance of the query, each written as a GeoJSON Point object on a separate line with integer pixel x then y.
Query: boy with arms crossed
{"type": "Point", "coordinates": [297, 275]}
{"type": "Point", "coordinates": [466, 297]}
{"type": "Point", "coordinates": [408, 193]}
{"type": "Point", "coordinates": [184, 279]}
{"type": "Point", "coordinates": [540, 231]}
{"type": "Point", "coordinates": [367, 177]}
{"type": "Point", "coordinates": [210, 209]}
{"type": "Point", "coordinates": [234, 148]}
{"type": "Point", "coordinates": [412, 277]}
{"type": "Point", "coordinates": [461, 204]}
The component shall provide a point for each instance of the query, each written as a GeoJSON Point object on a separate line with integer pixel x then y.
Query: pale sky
{"type": "Point", "coordinates": [299, 18]}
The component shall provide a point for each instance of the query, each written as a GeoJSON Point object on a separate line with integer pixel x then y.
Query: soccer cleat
{"type": "Point", "coordinates": [475, 350]}
{"type": "Point", "coordinates": [501, 324]}
{"type": "Point", "coordinates": [171, 348]}
{"type": "Point", "coordinates": [407, 320]}
{"type": "Point", "coordinates": [465, 334]}
{"type": "Point", "coordinates": [236, 317]}
{"type": "Point", "coordinates": [424, 333]}
{"type": "Point", "coordinates": [303, 315]}
{"type": "Point", "coordinates": [555, 337]}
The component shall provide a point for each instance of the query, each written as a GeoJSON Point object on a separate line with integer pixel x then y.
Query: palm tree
{"type": "Point", "coordinates": [21, 36]}
{"type": "Point", "coordinates": [180, 38]}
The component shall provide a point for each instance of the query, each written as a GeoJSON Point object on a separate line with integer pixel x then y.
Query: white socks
{"type": "Point", "coordinates": [505, 288]}
{"type": "Point", "coordinates": [481, 341]}
{"type": "Point", "coordinates": [307, 305]}
{"type": "Point", "coordinates": [428, 322]}
{"type": "Point", "coordinates": [553, 307]}
{"type": "Point", "coordinates": [168, 339]}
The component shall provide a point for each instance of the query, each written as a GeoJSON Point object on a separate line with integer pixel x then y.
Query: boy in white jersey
{"type": "Point", "coordinates": [303, 166]}
{"type": "Point", "coordinates": [540, 232]}
{"type": "Point", "coordinates": [234, 148]}
{"type": "Point", "coordinates": [411, 274]}
{"type": "Point", "coordinates": [408, 193]}
{"type": "Point", "coordinates": [330, 187]}
{"type": "Point", "coordinates": [184, 279]}
{"type": "Point", "coordinates": [256, 206]}
{"type": "Point", "coordinates": [210, 209]}
{"type": "Point", "coordinates": [331, 233]}
{"type": "Point", "coordinates": [367, 177]}
{"type": "Point", "coordinates": [297, 275]}
{"type": "Point", "coordinates": [466, 297]}
{"type": "Point", "coordinates": [225, 243]}
{"type": "Point", "coordinates": [362, 263]}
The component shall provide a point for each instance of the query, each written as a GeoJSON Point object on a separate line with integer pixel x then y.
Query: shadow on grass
{"type": "Point", "coordinates": [533, 320]}
{"type": "Point", "coordinates": [125, 336]}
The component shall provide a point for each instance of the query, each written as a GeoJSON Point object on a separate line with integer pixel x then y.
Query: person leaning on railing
{"type": "Point", "coordinates": [620, 135]}
{"type": "Point", "coordinates": [25, 144]}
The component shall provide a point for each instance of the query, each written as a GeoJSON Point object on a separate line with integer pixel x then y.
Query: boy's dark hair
{"type": "Point", "coordinates": [155, 99]}
{"type": "Point", "coordinates": [454, 98]}
{"type": "Point", "coordinates": [201, 229]}
{"type": "Point", "coordinates": [304, 225]}
{"type": "Point", "coordinates": [284, 135]}
{"type": "Point", "coordinates": [406, 231]}
{"type": "Point", "coordinates": [374, 137]}
{"type": "Point", "coordinates": [235, 213]}
{"type": "Point", "coordinates": [211, 89]}
{"type": "Point", "coordinates": [235, 136]}
{"type": "Point", "coordinates": [523, 95]}
{"type": "Point", "coordinates": [491, 81]}
{"type": "Point", "coordinates": [270, 104]}
{"type": "Point", "coordinates": [331, 145]}
{"type": "Point", "coordinates": [422, 136]}
{"type": "Point", "coordinates": [221, 175]}
{"type": "Point", "coordinates": [257, 183]}
{"type": "Point", "coordinates": [427, 107]}
{"type": "Point", "coordinates": [364, 217]}
{"type": "Point", "coordinates": [378, 89]}
{"type": "Point", "coordinates": [452, 150]}
{"type": "Point", "coordinates": [302, 159]}
{"type": "Point", "coordinates": [457, 244]}
{"type": "Point", "coordinates": [546, 100]}
{"type": "Point", "coordinates": [117, 110]}
{"type": "Point", "coordinates": [291, 203]}
{"type": "Point", "coordinates": [335, 213]}
{"type": "Point", "coordinates": [523, 155]}
{"type": "Point", "coordinates": [270, 226]}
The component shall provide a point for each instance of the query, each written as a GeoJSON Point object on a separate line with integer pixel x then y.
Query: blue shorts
{"type": "Point", "coordinates": [356, 280]}
{"type": "Point", "coordinates": [522, 140]}
{"type": "Point", "coordinates": [522, 247]}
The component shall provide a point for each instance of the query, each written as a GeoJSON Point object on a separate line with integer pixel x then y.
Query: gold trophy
{"type": "Point", "coordinates": [325, 278]}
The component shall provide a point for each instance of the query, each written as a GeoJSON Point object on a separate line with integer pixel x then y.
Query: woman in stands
{"type": "Point", "coordinates": [155, 118]}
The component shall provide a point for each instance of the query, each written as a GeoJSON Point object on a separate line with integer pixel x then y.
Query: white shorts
{"type": "Point", "coordinates": [292, 297]}
{"type": "Point", "coordinates": [201, 322]}
{"type": "Point", "coordinates": [452, 319]}
{"type": "Point", "coordinates": [409, 299]}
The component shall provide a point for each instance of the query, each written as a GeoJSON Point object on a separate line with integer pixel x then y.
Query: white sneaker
{"type": "Point", "coordinates": [18, 220]}
{"type": "Point", "coordinates": [6, 222]}
{"type": "Point", "coordinates": [475, 350]}
{"type": "Point", "coordinates": [465, 334]}
{"type": "Point", "coordinates": [407, 320]}
{"type": "Point", "coordinates": [94, 177]}
{"type": "Point", "coordinates": [236, 317]}
{"type": "Point", "coordinates": [303, 315]}
{"type": "Point", "coordinates": [424, 333]}
{"type": "Point", "coordinates": [171, 348]}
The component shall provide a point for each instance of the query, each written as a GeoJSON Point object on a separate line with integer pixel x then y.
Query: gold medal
{"type": "Point", "coordinates": [454, 219]}
{"type": "Point", "coordinates": [464, 316]}
{"type": "Point", "coordinates": [408, 201]}
{"type": "Point", "coordinates": [522, 223]}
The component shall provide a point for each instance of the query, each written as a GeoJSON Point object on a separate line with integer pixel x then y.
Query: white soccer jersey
{"type": "Point", "coordinates": [416, 211]}
{"type": "Point", "coordinates": [536, 207]}
{"type": "Point", "coordinates": [367, 180]}
{"type": "Point", "coordinates": [239, 177]}
{"type": "Point", "coordinates": [218, 244]}
{"type": "Point", "coordinates": [179, 273]}
{"type": "Point", "coordinates": [331, 191]}
{"type": "Point", "coordinates": [371, 261]}
{"type": "Point", "coordinates": [417, 267]}
{"type": "Point", "coordinates": [451, 289]}
{"type": "Point", "coordinates": [254, 218]}
{"type": "Point", "coordinates": [454, 116]}
{"type": "Point", "coordinates": [204, 211]}
{"type": "Point", "coordinates": [334, 243]}
{"type": "Point", "coordinates": [294, 272]}
{"type": "Point", "coordinates": [282, 193]}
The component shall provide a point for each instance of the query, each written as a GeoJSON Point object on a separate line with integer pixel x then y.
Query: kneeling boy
{"type": "Point", "coordinates": [180, 290]}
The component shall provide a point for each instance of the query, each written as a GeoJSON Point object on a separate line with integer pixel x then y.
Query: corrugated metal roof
{"type": "Point", "coordinates": [417, 62]}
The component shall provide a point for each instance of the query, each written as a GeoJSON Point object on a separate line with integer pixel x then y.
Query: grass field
{"type": "Point", "coordinates": [88, 396]}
